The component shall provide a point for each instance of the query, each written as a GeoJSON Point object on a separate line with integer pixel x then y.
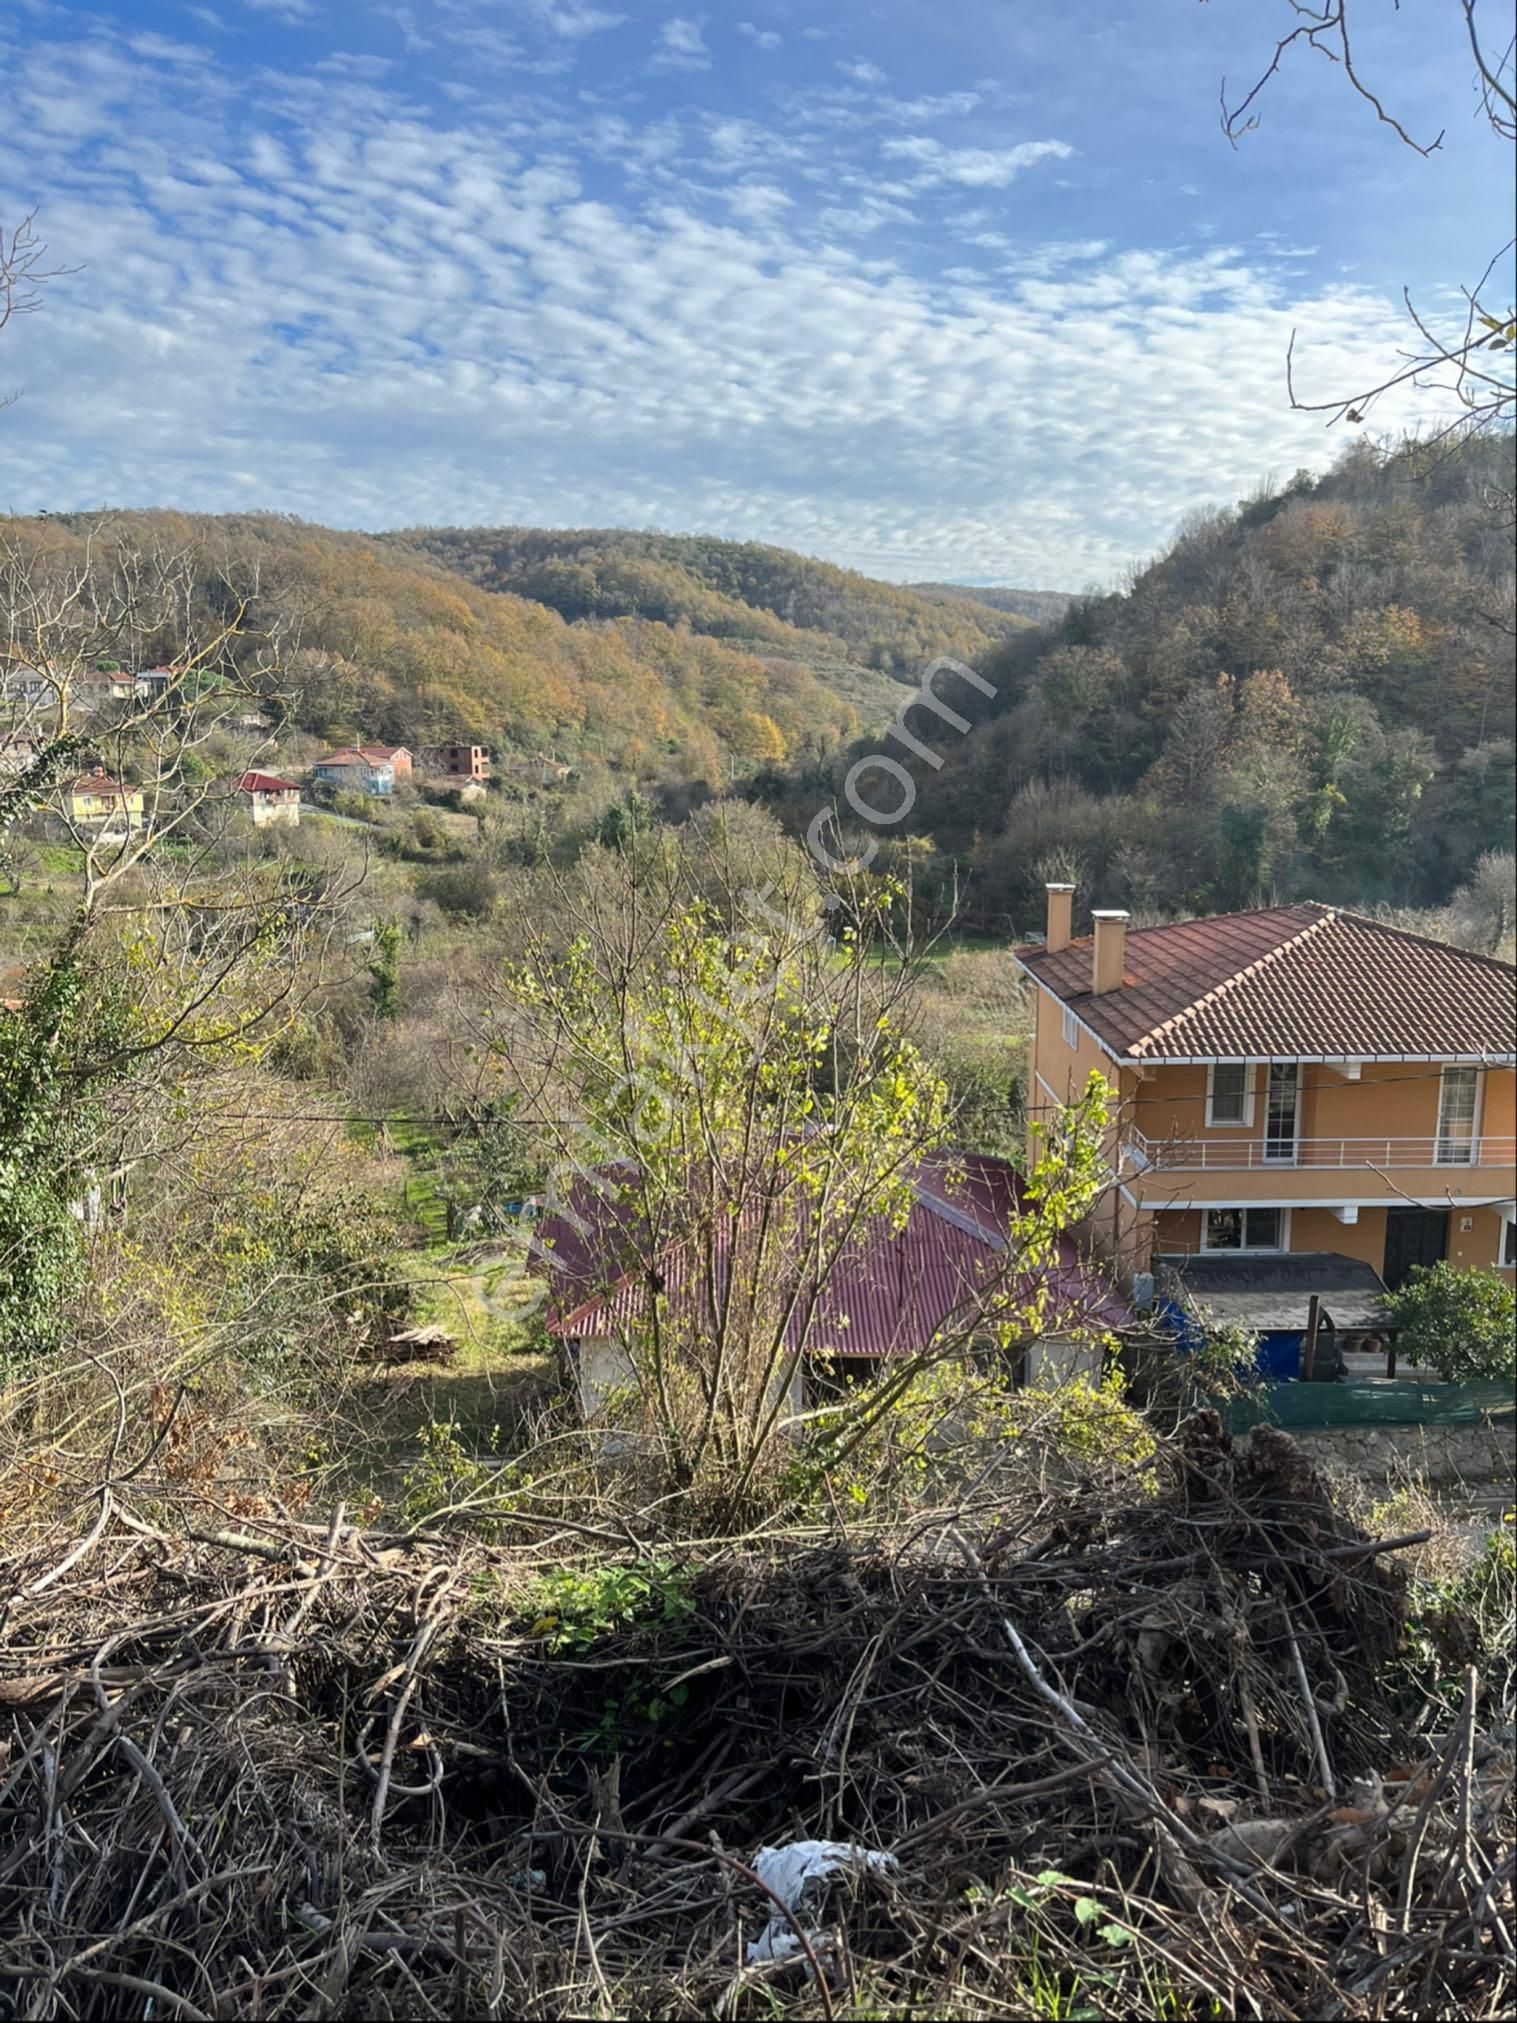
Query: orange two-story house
{"type": "Point", "coordinates": [1292, 1079]}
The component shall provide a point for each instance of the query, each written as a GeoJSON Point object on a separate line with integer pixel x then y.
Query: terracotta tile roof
{"type": "Point", "coordinates": [386, 753]}
{"type": "Point", "coordinates": [1288, 983]}
{"type": "Point", "coordinates": [98, 781]}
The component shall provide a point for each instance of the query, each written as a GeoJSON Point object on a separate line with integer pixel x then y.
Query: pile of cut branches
{"type": "Point", "coordinates": [1100, 1761]}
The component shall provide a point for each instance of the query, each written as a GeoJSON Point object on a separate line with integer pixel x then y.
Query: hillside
{"type": "Point", "coordinates": [382, 641]}
{"type": "Point", "coordinates": [1039, 607]}
{"type": "Point", "coordinates": [1310, 695]}
{"type": "Point", "coordinates": [735, 590]}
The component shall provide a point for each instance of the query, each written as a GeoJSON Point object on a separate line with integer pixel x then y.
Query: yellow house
{"type": "Point", "coordinates": [1294, 1079]}
{"type": "Point", "coordinates": [96, 801]}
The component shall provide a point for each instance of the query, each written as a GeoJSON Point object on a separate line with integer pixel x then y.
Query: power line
{"type": "Point", "coordinates": [439, 1119]}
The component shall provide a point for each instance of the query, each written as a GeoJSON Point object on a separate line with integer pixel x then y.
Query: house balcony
{"type": "Point", "coordinates": [1432, 1170]}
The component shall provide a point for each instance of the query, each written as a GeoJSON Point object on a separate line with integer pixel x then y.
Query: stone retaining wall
{"type": "Point", "coordinates": [1478, 1455]}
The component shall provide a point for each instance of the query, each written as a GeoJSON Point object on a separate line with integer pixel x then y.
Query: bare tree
{"type": "Point", "coordinates": [1472, 363]}
{"type": "Point", "coordinates": [143, 664]}
{"type": "Point", "coordinates": [24, 273]}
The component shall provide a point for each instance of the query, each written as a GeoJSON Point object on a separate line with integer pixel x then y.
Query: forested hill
{"type": "Point", "coordinates": [1039, 607]}
{"type": "Point", "coordinates": [1308, 695]}
{"type": "Point", "coordinates": [762, 597]}
{"type": "Point", "coordinates": [384, 643]}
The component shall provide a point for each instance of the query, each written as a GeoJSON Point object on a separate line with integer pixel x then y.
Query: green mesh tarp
{"type": "Point", "coordinates": [1304, 1406]}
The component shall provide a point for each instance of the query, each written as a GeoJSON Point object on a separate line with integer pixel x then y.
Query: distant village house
{"type": "Point", "coordinates": [464, 762]}
{"type": "Point", "coordinates": [96, 801]}
{"type": "Point", "coordinates": [353, 771]}
{"type": "Point", "coordinates": [274, 802]}
{"type": "Point", "coordinates": [397, 757]}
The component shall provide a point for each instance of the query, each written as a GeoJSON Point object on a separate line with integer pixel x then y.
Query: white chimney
{"type": "Point", "coordinates": [1109, 952]}
{"type": "Point", "coordinates": [1061, 899]}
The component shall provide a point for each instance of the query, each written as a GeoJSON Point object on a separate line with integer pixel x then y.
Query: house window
{"type": "Point", "coordinates": [1508, 1257]}
{"type": "Point", "coordinates": [1071, 1028]}
{"type": "Point", "coordinates": [1243, 1229]}
{"type": "Point", "coordinates": [1229, 1093]}
{"type": "Point", "coordinates": [1456, 1116]}
{"type": "Point", "coordinates": [1280, 1112]}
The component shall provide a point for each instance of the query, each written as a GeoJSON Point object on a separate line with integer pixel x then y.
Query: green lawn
{"type": "Point", "coordinates": [480, 1293]}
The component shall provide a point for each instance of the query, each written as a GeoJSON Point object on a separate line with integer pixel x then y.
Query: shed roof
{"type": "Point", "coordinates": [1304, 982]}
{"type": "Point", "coordinates": [1273, 1294]}
{"type": "Point", "coordinates": [889, 1294]}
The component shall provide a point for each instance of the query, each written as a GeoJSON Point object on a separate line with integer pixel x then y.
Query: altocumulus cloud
{"type": "Point", "coordinates": [315, 291]}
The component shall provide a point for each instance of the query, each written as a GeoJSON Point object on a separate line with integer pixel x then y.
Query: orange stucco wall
{"type": "Point", "coordinates": [1310, 1229]}
{"type": "Point", "coordinates": [1474, 1249]}
{"type": "Point", "coordinates": [1117, 1229]}
{"type": "Point", "coordinates": [1390, 1101]}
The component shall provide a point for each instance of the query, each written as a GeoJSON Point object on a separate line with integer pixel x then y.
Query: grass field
{"type": "Point", "coordinates": [479, 1292]}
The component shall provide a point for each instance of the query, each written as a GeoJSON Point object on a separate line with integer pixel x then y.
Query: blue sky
{"type": "Point", "coordinates": [973, 290]}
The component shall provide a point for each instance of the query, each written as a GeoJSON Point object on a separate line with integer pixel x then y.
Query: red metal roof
{"type": "Point", "coordinates": [266, 783]}
{"type": "Point", "coordinates": [1288, 983]}
{"type": "Point", "coordinates": [889, 1294]}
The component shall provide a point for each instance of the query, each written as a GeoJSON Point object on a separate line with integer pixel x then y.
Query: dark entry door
{"type": "Point", "coordinates": [1413, 1236]}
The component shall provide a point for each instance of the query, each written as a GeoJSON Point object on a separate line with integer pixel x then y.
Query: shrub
{"type": "Point", "coordinates": [1463, 1324]}
{"type": "Point", "coordinates": [573, 1608]}
{"type": "Point", "coordinates": [463, 891]}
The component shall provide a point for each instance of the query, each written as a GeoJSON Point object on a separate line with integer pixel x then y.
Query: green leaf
{"type": "Point", "coordinates": [1087, 1909]}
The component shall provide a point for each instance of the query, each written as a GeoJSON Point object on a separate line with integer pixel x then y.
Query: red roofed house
{"type": "Point", "coordinates": [1293, 1079]}
{"type": "Point", "coordinates": [355, 772]}
{"type": "Point", "coordinates": [888, 1295]}
{"type": "Point", "coordinates": [274, 801]}
{"type": "Point", "coordinates": [396, 757]}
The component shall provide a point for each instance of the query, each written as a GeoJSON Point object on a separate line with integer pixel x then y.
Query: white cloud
{"type": "Point", "coordinates": [977, 168]}
{"type": "Point", "coordinates": [326, 300]}
{"type": "Point", "coordinates": [758, 203]}
{"type": "Point", "coordinates": [285, 10]}
{"type": "Point", "coordinates": [681, 46]}
{"type": "Point", "coordinates": [863, 73]}
{"type": "Point", "coordinates": [572, 19]}
{"type": "Point", "coordinates": [765, 38]}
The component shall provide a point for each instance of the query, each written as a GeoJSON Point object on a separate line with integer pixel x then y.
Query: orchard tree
{"type": "Point", "coordinates": [733, 1110]}
{"type": "Point", "coordinates": [1463, 1324]}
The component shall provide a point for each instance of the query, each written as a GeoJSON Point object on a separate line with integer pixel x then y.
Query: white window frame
{"type": "Point", "coordinates": [1244, 1208]}
{"type": "Point", "coordinates": [1071, 1029]}
{"type": "Point", "coordinates": [1460, 1068]}
{"type": "Point", "coordinates": [1243, 1123]}
{"type": "Point", "coordinates": [1508, 1223]}
{"type": "Point", "coordinates": [1292, 1157]}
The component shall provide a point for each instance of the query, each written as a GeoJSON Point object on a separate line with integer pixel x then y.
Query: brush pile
{"type": "Point", "coordinates": [1080, 1761]}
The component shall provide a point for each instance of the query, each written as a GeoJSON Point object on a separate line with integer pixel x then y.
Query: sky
{"type": "Point", "coordinates": [971, 290]}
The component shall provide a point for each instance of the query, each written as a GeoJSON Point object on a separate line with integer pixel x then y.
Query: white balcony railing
{"type": "Point", "coordinates": [1251, 1155]}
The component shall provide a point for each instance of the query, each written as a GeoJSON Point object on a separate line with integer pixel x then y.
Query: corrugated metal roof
{"type": "Point", "coordinates": [1288, 983]}
{"type": "Point", "coordinates": [889, 1294]}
